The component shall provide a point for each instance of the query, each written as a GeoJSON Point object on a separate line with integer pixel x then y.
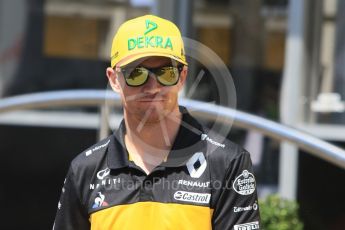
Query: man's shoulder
{"type": "Point", "coordinates": [92, 156]}
{"type": "Point", "coordinates": [222, 151]}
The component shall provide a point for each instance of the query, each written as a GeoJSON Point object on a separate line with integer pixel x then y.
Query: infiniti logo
{"type": "Point", "coordinates": [103, 173]}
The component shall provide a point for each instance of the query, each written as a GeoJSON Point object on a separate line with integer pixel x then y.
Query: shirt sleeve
{"type": "Point", "coordinates": [71, 214]}
{"type": "Point", "coordinates": [237, 205]}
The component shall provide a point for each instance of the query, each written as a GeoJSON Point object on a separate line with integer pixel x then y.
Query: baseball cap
{"type": "Point", "coordinates": [146, 36]}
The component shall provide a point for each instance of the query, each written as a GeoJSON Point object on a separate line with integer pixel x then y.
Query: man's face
{"type": "Point", "coordinates": [152, 101]}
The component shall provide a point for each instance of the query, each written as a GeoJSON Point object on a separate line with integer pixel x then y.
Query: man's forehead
{"type": "Point", "coordinates": [152, 61]}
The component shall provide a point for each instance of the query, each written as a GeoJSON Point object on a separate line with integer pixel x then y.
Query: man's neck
{"type": "Point", "coordinates": [150, 143]}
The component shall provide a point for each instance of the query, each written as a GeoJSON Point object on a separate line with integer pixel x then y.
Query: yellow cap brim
{"type": "Point", "coordinates": [135, 57]}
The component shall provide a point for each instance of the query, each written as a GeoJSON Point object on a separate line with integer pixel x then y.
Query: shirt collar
{"type": "Point", "coordinates": [187, 142]}
{"type": "Point", "coordinates": [117, 156]}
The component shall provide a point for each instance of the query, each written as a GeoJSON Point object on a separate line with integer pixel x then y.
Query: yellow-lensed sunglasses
{"type": "Point", "coordinates": [165, 75]}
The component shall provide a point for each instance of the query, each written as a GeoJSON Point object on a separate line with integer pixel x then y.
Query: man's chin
{"type": "Point", "coordinates": [151, 113]}
{"type": "Point", "coordinates": [154, 116]}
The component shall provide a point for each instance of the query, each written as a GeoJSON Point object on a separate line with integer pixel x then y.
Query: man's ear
{"type": "Point", "coordinates": [183, 76]}
{"type": "Point", "coordinates": [113, 81]}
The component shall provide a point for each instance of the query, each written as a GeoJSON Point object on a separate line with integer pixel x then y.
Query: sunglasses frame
{"type": "Point", "coordinates": [152, 71]}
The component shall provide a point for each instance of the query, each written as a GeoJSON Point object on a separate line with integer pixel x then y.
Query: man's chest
{"type": "Point", "coordinates": [180, 185]}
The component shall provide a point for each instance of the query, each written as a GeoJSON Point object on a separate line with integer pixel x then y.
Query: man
{"type": "Point", "coordinates": [161, 169]}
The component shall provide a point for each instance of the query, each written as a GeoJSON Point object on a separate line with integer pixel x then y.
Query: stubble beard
{"type": "Point", "coordinates": [152, 114]}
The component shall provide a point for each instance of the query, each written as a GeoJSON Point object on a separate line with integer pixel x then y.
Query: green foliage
{"type": "Point", "coordinates": [279, 214]}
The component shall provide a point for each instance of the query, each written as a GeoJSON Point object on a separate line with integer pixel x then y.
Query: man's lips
{"type": "Point", "coordinates": [151, 98]}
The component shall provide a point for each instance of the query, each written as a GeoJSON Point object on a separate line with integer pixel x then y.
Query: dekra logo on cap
{"type": "Point", "coordinates": [149, 41]}
{"type": "Point", "coordinates": [150, 25]}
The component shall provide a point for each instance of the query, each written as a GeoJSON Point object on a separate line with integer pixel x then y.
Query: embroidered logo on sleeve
{"type": "Point", "coordinates": [245, 183]}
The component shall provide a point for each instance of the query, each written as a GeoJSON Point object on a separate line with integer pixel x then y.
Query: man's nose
{"type": "Point", "coordinates": [152, 81]}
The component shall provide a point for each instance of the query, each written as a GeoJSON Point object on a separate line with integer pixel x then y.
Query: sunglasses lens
{"type": "Point", "coordinates": [137, 76]}
{"type": "Point", "coordinates": [167, 75]}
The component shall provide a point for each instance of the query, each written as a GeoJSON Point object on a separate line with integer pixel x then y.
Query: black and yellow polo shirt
{"type": "Point", "coordinates": [206, 183]}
